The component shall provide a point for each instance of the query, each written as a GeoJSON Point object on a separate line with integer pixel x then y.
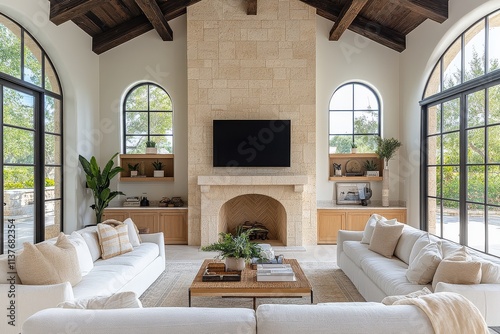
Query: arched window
{"type": "Point", "coordinates": [354, 117]}
{"type": "Point", "coordinates": [148, 116]}
{"type": "Point", "coordinates": [461, 161]}
{"type": "Point", "coordinates": [32, 162]}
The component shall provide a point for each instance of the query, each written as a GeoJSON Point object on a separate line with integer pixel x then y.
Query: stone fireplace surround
{"type": "Point", "coordinates": [288, 190]}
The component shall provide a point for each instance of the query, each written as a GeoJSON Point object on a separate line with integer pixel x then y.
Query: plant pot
{"type": "Point", "coordinates": [151, 150]}
{"type": "Point", "coordinates": [158, 173]}
{"type": "Point", "coordinates": [354, 150]}
{"type": "Point", "coordinates": [234, 264]}
{"type": "Point", "coordinates": [133, 173]}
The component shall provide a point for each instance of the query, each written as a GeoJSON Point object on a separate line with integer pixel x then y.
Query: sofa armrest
{"type": "Point", "coordinates": [486, 297]}
{"type": "Point", "coordinates": [22, 301]}
{"type": "Point", "coordinates": [344, 235]}
{"type": "Point", "coordinates": [156, 238]}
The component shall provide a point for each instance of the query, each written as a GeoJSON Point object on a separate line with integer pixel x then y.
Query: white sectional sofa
{"type": "Point", "coordinates": [377, 277]}
{"type": "Point", "coordinates": [133, 271]}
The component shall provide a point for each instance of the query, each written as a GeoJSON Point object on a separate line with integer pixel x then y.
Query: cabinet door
{"type": "Point", "coordinates": [399, 214]}
{"type": "Point", "coordinates": [356, 220]}
{"type": "Point", "coordinates": [329, 223]}
{"type": "Point", "coordinates": [146, 219]}
{"type": "Point", "coordinates": [174, 227]}
{"type": "Point", "coordinates": [119, 215]}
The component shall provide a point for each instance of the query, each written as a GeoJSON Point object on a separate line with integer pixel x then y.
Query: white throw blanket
{"type": "Point", "coordinates": [449, 313]}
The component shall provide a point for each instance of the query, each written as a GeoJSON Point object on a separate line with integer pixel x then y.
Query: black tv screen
{"type": "Point", "coordinates": [251, 143]}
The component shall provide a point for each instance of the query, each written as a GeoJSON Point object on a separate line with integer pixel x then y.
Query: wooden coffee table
{"type": "Point", "coordinates": [248, 287]}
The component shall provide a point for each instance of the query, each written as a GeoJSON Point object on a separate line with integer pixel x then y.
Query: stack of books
{"type": "Point", "coordinates": [275, 273]}
{"type": "Point", "coordinates": [132, 201]}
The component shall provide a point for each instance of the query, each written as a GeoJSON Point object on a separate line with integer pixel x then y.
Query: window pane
{"type": "Point", "coordinates": [494, 104]}
{"type": "Point", "coordinates": [493, 231]}
{"type": "Point", "coordinates": [451, 182]}
{"type": "Point", "coordinates": [366, 144]}
{"type": "Point", "coordinates": [434, 83]}
{"type": "Point", "coordinates": [494, 143]}
{"type": "Point", "coordinates": [342, 143]}
{"type": "Point", "coordinates": [434, 150]}
{"type": "Point", "coordinates": [52, 115]}
{"type": "Point", "coordinates": [451, 148]}
{"type": "Point", "coordinates": [51, 82]}
{"type": "Point", "coordinates": [52, 150]}
{"type": "Point", "coordinates": [474, 54]}
{"type": "Point", "coordinates": [161, 123]}
{"type": "Point", "coordinates": [364, 99]}
{"type": "Point", "coordinates": [476, 227]}
{"type": "Point", "coordinates": [10, 47]}
{"type": "Point", "coordinates": [451, 219]}
{"type": "Point", "coordinates": [164, 144]}
{"type": "Point", "coordinates": [475, 109]}
{"type": "Point", "coordinates": [451, 115]}
{"type": "Point", "coordinates": [493, 182]}
{"type": "Point", "coordinates": [53, 215]}
{"type": "Point", "coordinates": [493, 46]}
{"type": "Point", "coordinates": [366, 122]}
{"type": "Point", "coordinates": [475, 183]}
{"type": "Point", "coordinates": [434, 216]}
{"type": "Point", "coordinates": [475, 146]}
{"type": "Point", "coordinates": [53, 183]}
{"type": "Point", "coordinates": [341, 123]}
{"type": "Point", "coordinates": [32, 61]}
{"type": "Point", "coordinates": [136, 122]}
{"type": "Point", "coordinates": [137, 99]}
{"type": "Point", "coordinates": [19, 146]}
{"type": "Point", "coordinates": [136, 144]}
{"type": "Point", "coordinates": [434, 119]}
{"type": "Point", "coordinates": [342, 98]}
{"type": "Point", "coordinates": [452, 65]}
{"type": "Point", "coordinates": [18, 108]}
{"type": "Point", "coordinates": [159, 99]}
{"type": "Point", "coordinates": [434, 181]}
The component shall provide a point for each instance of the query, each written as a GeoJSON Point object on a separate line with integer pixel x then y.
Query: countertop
{"type": "Point", "coordinates": [372, 205]}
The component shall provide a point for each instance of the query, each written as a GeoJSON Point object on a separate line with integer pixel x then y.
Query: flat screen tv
{"type": "Point", "coordinates": [251, 143]}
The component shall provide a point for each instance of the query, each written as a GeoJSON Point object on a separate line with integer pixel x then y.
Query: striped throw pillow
{"type": "Point", "coordinates": [113, 239]}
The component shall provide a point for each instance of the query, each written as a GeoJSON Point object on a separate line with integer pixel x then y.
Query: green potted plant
{"type": "Point", "coordinates": [386, 149]}
{"type": "Point", "coordinates": [354, 148]}
{"type": "Point", "coordinates": [134, 168]}
{"type": "Point", "coordinates": [158, 168]}
{"type": "Point", "coordinates": [99, 182]}
{"type": "Point", "coordinates": [150, 147]}
{"type": "Point", "coordinates": [235, 249]}
{"type": "Point", "coordinates": [371, 168]}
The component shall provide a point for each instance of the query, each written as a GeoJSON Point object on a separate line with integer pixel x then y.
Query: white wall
{"type": "Point", "coordinates": [146, 58]}
{"type": "Point", "coordinates": [354, 58]}
{"type": "Point", "coordinates": [77, 66]}
{"type": "Point", "coordinates": [424, 47]}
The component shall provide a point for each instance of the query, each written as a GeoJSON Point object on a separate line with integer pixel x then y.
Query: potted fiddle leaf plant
{"type": "Point", "coordinates": [99, 182]}
{"type": "Point", "coordinates": [235, 249]}
{"type": "Point", "coordinates": [158, 168]}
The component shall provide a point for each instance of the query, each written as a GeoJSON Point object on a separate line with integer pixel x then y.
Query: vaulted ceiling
{"type": "Point", "coordinates": [114, 22]}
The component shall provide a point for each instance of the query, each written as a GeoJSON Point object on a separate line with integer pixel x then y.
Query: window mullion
{"type": "Point", "coordinates": [463, 171]}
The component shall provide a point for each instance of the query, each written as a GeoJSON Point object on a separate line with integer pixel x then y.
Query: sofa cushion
{"type": "Point", "coordinates": [457, 272]}
{"type": "Point", "coordinates": [126, 299]}
{"type": "Point", "coordinates": [406, 242]}
{"type": "Point", "coordinates": [113, 238]}
{"type": "Point", "coordinates": [422, 241]}
{"type": "Point", "coordinates": [45, 263]}
{"type": "Point", "coordinates": [133, 232]}
{"type": "Point", "coordinates": [370, 226]}
{"type": "Point", "coordinates": [89, 234]}
{"type": "Point", "coordinates": [385, 238]}
{"type": "Point", "coordinates": [82, 251]}
{"type": "Point", "coordinates": [389, 300]}
{"type": "Point", "coordinates": [358, 252]}
{"type": "Point", "coordinates": [423, 267]}
{"type": "Point", "coordinates": [490, 272]}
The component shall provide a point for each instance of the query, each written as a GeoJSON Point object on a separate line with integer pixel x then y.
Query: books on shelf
{"type": "Point", "coordinates": [275, 272]}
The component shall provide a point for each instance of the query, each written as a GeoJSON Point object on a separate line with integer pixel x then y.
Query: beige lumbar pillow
{"type": "Point", "coordinates": [126, 299]}
{"type": "Point", "coordinates": [385, 238]}
{"type": "Point", "coordinates": [46, 263]}
{"type": "Point", "coordinates": [113, 238]}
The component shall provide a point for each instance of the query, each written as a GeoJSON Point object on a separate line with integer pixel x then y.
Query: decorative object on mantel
{"type": "Point", "coordinates": [150, 147]}
{"type": "Point", "coordinates": [144, 200]}
{"type": "Point", "coordinates": [351, 192]}
{"type": "Point", "coordinates": [177, 202]}
{"type": "Point", "coordinates": [353, 168]}
{"type": "Point", "coordinates": [385, 150]}
{"type": "Point", "coordinates": [158, 166]}
{"type": "Point", "coordinates": [371, 168]}
{"type": "Point", "coordinates": [354, 148]}
{"type": "Point", "coordinates": [337, 169]}
{"type": "Point", "coordinates": [133, 169]}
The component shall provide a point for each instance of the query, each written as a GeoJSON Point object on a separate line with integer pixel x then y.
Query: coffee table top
{"type": "Point", "coordinates": [248, 286]}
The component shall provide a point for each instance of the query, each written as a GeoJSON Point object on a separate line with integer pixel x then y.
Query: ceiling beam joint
{"type": "Point", "coordinates": [346, 17]}
{"type": "Point", "coordinates": [154, 14]}
{"type": "Point", "coordinates": [61, 12]}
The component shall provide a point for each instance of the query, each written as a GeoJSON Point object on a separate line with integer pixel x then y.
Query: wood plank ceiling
{"type": "Point", "coordinates": [114, 22]}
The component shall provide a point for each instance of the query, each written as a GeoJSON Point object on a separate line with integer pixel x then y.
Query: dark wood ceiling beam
{"type": "Point", "coordinates": [154, 14]}
{"type": "Point", "coordinates": [251, 7]}
{"type": "Point", "coordinates": [347, 15]}
{"type": "Point", "coordinates": [64, 11]}
{"type": "Point", "coordinates": [436, 10]}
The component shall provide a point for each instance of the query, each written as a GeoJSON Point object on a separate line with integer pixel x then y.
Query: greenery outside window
{"type": "Point", "coordinates": [354, 118]}
{"type": "Point", "coordinates": [148, 116]}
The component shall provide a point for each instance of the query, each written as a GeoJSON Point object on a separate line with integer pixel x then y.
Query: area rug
{"type": "Point", "coordinates": [329, 284]}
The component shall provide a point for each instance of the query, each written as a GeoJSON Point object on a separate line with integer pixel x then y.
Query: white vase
{"type": "Point", "coordinates": [385, 184]}
{"type": "Point", "coordinates": [234, 264]}
{"type": "Point", "coordinates": [158, 173]}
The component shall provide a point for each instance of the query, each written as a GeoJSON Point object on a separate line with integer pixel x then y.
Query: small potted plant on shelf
{"type": "Point", "coordinates": [158, 166]}
{"type": "Point", "coordinates": [235, 249]}
{"type": "Point", "coordinates": [354, 148]}
{"type": "Point", "coordinates": [150, 147]}
{"type": "Point", "coordinates": [134, 168]}
{"type": "Point", "coordinates": [371, 168]}
{"type": "Point", "coordinates": [386, 149]}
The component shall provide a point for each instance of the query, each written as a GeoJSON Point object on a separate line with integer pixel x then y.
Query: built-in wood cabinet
{"type": "Point", "coordinates": [171, 221]}
{"type": "Point", "coordinates": [146, 160]}
{"type": "Point", "coordinates": [351, 163]}
{"type": "Point", "coordinates": [330, 221]}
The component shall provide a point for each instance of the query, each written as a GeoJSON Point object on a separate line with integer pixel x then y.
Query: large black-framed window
{"type": "Point", "coordinates": [460, 195]}
{"type": "Point", "coordinates": [147, 116]}
{"type": "Point", "coordinates": [354, 117]}
{"type": "Point", "coordinates": [31, 140]}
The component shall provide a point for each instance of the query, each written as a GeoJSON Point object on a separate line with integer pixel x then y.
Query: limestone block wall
{"type": "Point", "coordinates": [251, 67]}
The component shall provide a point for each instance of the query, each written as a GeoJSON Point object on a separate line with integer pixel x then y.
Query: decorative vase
{"type": "Point", "coordinates": [234, 264]}
{"type": "Point", "coordinates": [151, 150]}
{"type": "Point", "coordinates": [158, 173]}
{"type": "Point", "coordinates": [385, 184]}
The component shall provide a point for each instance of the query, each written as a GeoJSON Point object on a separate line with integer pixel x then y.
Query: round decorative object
{"type": "Point", "coordinates": [353, 166]}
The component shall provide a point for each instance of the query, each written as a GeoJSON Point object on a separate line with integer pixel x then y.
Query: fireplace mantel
{"type": "Point", "coordinates": [297, 181]}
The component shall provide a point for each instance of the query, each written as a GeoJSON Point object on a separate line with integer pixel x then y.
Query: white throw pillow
{"type": "Point", "coordinates": [127, 299]}
{"type": "Point", "coordinates": [424, 265]}
{"type": "Point", "coordinates": [133, 232]}
{"type": "Point", "coordinates": [89, 234]}
{"type": "Point", "coordinates": [83, 253]}
{"type": "Point", "coordinates": [490, 271]}
{"type": "Point", "coordinates": [370, 226]}
{"type": "Point", "coordinates": [421, 242]}
{"type": "Point", "coordinates": [389, 300]}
